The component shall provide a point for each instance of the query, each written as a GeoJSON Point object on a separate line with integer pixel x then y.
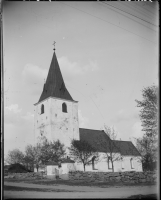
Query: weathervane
{"type": "Point", "coordinates": [54, 45]}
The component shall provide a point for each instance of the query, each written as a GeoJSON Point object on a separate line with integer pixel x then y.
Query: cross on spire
{"type": "Point", "coordinates": [54, 45]}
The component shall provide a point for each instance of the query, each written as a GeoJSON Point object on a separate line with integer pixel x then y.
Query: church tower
{"type": "Point", "coordinates": [56, 113]}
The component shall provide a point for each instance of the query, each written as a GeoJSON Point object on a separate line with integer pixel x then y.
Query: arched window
{"type": "Point", "coordinates": [132, 163]}
{"type": "Point", "coordinates": [42, 108]}
{"type": "Point", "coordinates": [109, 163]}
{"type": "Point", "coordinates": [64, 107]}
{"type": "Point", "coordinates": [93, 163]}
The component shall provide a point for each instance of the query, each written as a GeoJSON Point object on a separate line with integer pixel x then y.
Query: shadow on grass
{"type": "Point", "coordinates": [140, 196]}
{"type": "Point", "coordinates": [14, 188]}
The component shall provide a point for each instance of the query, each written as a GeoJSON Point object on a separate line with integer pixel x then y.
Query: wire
{"type": "Point", "coordinates": [90, 99]}
{"type": "Point", "coordinates": [109, 23]}
{"type": "Point", "coordinates": [130, 14]}
{"type": "Point", "coordinates": [97, 108]}
{"type": "Point", "coordinates": [138, 9]}
{"type": "Point", "coordinates": [131, 18]}
{"type": "Point", "coordinates": [148, 9]}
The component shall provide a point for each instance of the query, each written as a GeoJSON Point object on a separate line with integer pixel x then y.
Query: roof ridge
{"type": "Point", "coordinates": [92, 129]}
{"type": "Point", "coordinates": [122, 141]}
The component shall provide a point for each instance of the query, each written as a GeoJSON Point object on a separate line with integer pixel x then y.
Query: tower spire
{"type": "Point", "coordinates": [54, 85]}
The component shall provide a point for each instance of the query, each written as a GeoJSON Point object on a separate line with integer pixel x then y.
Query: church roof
{"type": "Point", "coordinates": [100, 141]}
{"type": "Point", "coordinates": [67, 160]}
{"type": "Point", "coordinates": [55, 86]}
{"type": "Point", "coordinates": [97, 139]}
{"type": "Point", "coordinates": [126, 148]}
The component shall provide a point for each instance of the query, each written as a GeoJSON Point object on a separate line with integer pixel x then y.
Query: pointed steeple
{"type": "Point", "coordinates": [55, 86]}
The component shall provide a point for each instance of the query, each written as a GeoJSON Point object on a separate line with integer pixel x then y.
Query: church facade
{"type": "Point", "coordinates": [56, 117]}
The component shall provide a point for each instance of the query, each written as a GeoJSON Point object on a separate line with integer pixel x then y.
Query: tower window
{"type": "Point", "coordinates": [42, 108]}
{"type": "Point", "coordinates": [64, 107]}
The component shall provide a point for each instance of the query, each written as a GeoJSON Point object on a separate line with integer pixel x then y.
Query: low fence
{"type": "Point", "coordinates": [131, 177]}
{"type": "Point", "coordinates": [25, 175]}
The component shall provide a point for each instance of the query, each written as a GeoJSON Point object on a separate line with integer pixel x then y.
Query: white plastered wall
{"type": "Point", "coordinates": [119, 166]}
{"type": "Point", "coordinates": [55, 124]}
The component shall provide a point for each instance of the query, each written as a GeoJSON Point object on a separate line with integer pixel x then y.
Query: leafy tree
{"type": "Point", "coordinates": [39, 154]}
{"type": "Point", "coordinates": [33, 156]}
{"type": "Point", "coordinates": [149, 110]}
{"type": "Point", "coordinates": [82, 152]}
{"type": "Point", "coordinates": [147, 149]}
{"type": "Point", "coordinates": [15, 156]}
{"type": "Point", "coordinates": [30, 155]}
{"type": "Point", "coordinates": [147, 145]}
{"type": "Point", "coordinates": [52, 151]}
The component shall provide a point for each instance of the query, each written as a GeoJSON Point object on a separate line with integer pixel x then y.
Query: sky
{"type": "Point", "coordinates": [107, 53]}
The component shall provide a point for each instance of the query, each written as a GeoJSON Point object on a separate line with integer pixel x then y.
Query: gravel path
{"type": "Point", "coordinates": [78, 191]}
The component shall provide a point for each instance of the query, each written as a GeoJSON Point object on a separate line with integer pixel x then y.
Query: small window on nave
{"type": "Point", "coordinates": [42, 108]}
{"type": "Point", "coordinates": [64, 107]}
{"type": "Point", "coordinates": [109, 163]}
{"type": "Point", "coordinates": [122, 163]}
{"type": "Point", "coordinates": [93, 163]}
{"type": "Point", "coordinates": [132, 163]}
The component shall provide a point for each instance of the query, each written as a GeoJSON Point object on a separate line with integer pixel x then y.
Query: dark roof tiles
{"type": "Point", "coordinates": [100, 141]}
{"type": "Point", "coordinates": [55, 86]}
{"type": "Point", "coordinates": [126, 148]}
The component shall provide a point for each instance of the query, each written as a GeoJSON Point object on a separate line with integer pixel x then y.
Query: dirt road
{"type": "Point", "coordinates": [78, 191]}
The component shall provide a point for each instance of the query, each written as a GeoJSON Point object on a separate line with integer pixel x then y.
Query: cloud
{"type": "Point", "coordinates": [28, 116]}
{"type": "Point", "coordinates": [70, 69]}
{"type": "Point", "coordinates": [82, 120]}
{"type": "Point", "coordinates": [124, 115]}
{"type": "Point", "coordinates": [14, 115]}
{"type": "Point", "coordinates": [13, 108]}
{"type": "Point", "coordinates": [33, 77]}
{"type": "Point", "coordinates": [18, 128]}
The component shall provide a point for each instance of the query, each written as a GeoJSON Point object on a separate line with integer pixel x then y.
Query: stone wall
{"type": "Point", "coordinates": [33, 175]}
{"type": "Point", "coordinates": [131, 177]}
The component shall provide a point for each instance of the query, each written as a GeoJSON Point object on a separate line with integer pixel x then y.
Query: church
{"type": "Point", "coordinates": [56, 117]}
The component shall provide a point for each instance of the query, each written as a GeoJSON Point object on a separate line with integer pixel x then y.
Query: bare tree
{"type": "Point", "coordinates": [82, 152]}
{"type": "Point", "coordinates": [112, 153]}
